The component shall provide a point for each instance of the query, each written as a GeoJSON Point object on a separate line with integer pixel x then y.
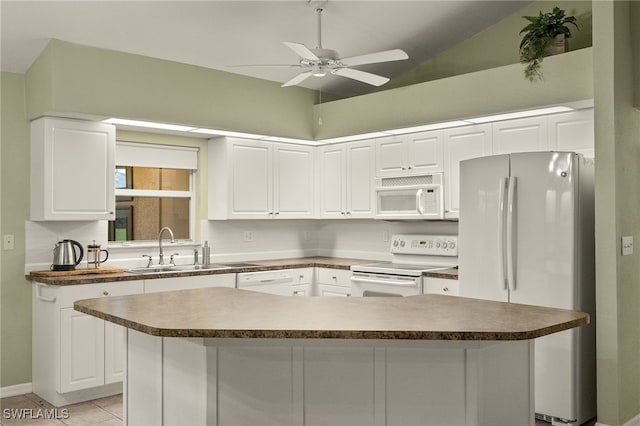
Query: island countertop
{"type": "Point", "coordinates": [233, 313]}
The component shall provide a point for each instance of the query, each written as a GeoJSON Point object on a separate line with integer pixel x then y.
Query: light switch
{"type": "Point", "coordinates": [627, 246]}
{"type": "Point", "coordinates": [8, 242]}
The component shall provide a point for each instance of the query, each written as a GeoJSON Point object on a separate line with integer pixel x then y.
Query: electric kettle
{"type": "Point", "coordinates": [64, 255]}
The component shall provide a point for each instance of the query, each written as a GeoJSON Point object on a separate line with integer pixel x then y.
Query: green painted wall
{"type": "Point", "coordinates": [617, 126]}
{"type": "Point", "coordinates": [568, 77]}
{"type": "Point", "coordinates": [15, 291]}
{"type": "Point", "coordinates": [75, 78]}
{"type": "Point", "coordinates": [498, 45]}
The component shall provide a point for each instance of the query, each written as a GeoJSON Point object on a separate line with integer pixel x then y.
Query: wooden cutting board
{"type": "Point", "coordinates": [79, 271]}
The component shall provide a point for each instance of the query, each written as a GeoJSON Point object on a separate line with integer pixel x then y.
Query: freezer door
{"type": "Point", "coordinates": [481, 254]}
{"type": "Point", "coordinates": [544, 222]}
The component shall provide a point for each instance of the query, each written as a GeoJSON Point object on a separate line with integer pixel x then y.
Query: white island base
{"type": "Point", "coordinates": [220, 382]}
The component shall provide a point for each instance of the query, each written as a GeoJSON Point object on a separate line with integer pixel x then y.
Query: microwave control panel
{"type": "Point", "coordinates": [434, 245]}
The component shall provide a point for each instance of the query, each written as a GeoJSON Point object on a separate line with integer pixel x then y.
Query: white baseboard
{"type": "Point", "coordinates": [16, 390]}
{"type": "Point", "coordinates": [632, 422]}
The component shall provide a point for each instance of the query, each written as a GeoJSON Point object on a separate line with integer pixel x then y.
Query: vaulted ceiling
{"type": "Point", "coordinates": [218, 34]}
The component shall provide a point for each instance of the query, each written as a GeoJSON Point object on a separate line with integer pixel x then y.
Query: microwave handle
{"type": "Point", "coordinates": [419, 201]}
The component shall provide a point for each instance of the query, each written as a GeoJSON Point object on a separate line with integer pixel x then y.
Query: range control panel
{"type": "Point", "coordinates": [433, 245]}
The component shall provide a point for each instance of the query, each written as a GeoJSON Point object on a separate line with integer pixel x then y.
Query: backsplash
{"type": "Point", "coordinates": [237, 240]}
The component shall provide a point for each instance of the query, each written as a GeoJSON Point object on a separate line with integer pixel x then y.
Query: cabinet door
{"type": "Point", "coordinates": [302, 290]}
{"type": "Point", "coordinates": [332, 181]}
{"type": "Point", "coordinates": [293, 184]}
{"type": "Point", "coordinates": [360, 180]}
{"type": "Point", "coordinates": [522, 135]}
{"type": "Point", "coordinates": [424, 152]}
{"type": "Point", "coordinates": [390, 156]}
{"type": "Point", "coordinates": [333, 290]}
{"type": "Point", "coordinates": [251, 181]}
{"type": "Point", "coordinates": [82, 351]}
{"type": "Point", "coordinates": [443, 286]}
{"type": "Point", "coordinates": [572, 131]}
{"type": "Point", "coordinates": [461, 143]}
{"type": "Point", "coordinates": [72, 170]}
{"type": "Point", "coordinates": [114, 352]}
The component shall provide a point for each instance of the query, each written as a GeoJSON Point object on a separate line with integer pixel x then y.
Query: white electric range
{"type": "Point", "coordinates": [412, 255]}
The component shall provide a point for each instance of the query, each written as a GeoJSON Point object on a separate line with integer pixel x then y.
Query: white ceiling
{"type": "Point", "coordinates": [216, 34]}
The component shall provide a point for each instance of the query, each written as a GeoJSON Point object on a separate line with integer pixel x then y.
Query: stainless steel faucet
{"type": "Point", "coordinates": [161, 255]}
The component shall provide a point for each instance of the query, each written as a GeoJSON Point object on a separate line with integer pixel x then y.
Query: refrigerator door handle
{"type": "Point", "coordinates": [511, 234]}
{"type": "Point", "coordinates": [502, 266]}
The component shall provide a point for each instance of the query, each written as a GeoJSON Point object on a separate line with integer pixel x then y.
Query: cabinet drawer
{"type": "Point", "coordinates": [440, 286]}
{"type": "Point", "coordinates": [185, 283]}
{"type": "Point", "coordinates": [302, 276]}
{"type": "Point", "coordinates": [341, 277]}
{"type": "Point", "coordinates": [69, 294]}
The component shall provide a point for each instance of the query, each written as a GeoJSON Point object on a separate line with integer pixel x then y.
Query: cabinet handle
{"type": "Point", "coordinates": [409, 167]}
{"type": "Point", "coordinates": [342, 213]}
{"type": "Point", "coordinates": [41, 297]}
{"type": "Point", "coordinates": [445, 289]}
{"type": "Point", "coordinates": [404, 168]}
{"type": "Point", "coordinates": [348, 213]}
{"type": "Point", "coordinates": [105, 293]}
{"type": "Point", "coordinates": [276, 213]}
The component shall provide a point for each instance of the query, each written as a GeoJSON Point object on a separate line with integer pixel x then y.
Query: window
{"type": "Point", "coordinates": [154, 188]}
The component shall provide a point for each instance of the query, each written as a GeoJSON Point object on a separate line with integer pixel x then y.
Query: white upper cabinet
{"type": "Point", "coordinates": [461, 143]}
{"type": "Point", "coordinates": [572, 131]}
{"type": "Point", "coordinates": [293, 181]}
{"type": "Point", "coordinates": [72, 170]}
{"type": "Point", "coordinates": [417, 153]}
{"type": "Point", "coordinates": [260, 180]}
{"type": "Point", "coordinates": [346, 180]}
{"type": "Point", "coordinates": [521, 135]}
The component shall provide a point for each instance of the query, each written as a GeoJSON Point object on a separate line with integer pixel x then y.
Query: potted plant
{"type": "Point", "coordinates": [545, 34]}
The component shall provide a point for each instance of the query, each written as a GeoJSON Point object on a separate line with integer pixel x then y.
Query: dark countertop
{"type": "Point", "coordinates": [221, 313]}
{"type": "Point", "coordinates": [261, 265]}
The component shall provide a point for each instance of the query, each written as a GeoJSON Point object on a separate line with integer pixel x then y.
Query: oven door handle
{"type": "Point", "coordinates": [403, 283]}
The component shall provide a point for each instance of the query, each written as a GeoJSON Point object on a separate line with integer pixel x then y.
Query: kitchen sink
{"type": "Point", "coordinates": [175, 268]}
{"type": "Point", "coordinates": [151, 270]}
{"type": "Point", "coordinates": [199, 267]}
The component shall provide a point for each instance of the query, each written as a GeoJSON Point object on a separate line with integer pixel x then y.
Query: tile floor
{"type": "Point", "coordinates": [99, 412]}
{"type": "Point", "coordinates": [36, 411]}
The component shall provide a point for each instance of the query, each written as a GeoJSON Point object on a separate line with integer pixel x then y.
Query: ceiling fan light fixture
{"type": "Point", "coordinates": [319, 71]}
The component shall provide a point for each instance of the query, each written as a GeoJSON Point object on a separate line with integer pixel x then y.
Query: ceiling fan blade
{"type": "Point", "coordinates": [266, 65]}
{"type": "Point", "coordinates": [374, 58]}
{"type": "Point", "coordinates": [303, 51]}
{"type": "Point", "coordinates": [298, 79]}
{"type": "Point", "coordinates": [365, 77]}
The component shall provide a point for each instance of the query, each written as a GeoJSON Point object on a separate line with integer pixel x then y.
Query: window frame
{"type": "Point", "coordinates": [159, 193]}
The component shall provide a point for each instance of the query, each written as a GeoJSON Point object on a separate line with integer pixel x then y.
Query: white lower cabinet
{"type": "Point", "coordinates": [76, 357]}
{"type": "Point", "coordinates": [185, 283]}
{"type": "Point", "coordinates": [333, 282]}
{"type": "Point", "coordinates": [448, 287]}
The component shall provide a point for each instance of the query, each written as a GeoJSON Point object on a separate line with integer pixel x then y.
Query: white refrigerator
{"type": "Point", "coordinates": [526, 235]}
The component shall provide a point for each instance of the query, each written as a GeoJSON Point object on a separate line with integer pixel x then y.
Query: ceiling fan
{"type": "Point", "coordinates": [319, 62]}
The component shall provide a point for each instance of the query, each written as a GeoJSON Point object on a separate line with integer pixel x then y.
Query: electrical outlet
{"type": "Point", "coordinates": [248, 236]}
{"type": "Point", "coordinates": [627, 246]}
{"type": "Point", "coordinates": [8, 242]}
{"type": "Point", "coordinates": [307, 235]}
{"type": "Point", "coordinates": [385, 236]}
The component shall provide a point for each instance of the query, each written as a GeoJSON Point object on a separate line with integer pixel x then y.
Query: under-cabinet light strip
{"type": "Point", "coordinates": [401, 131]}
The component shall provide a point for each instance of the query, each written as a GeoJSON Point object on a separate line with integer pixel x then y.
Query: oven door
{"type": "Point", "coordinates": [376, 285]}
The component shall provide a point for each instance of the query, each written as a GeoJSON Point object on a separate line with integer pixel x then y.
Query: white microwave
{"type": "Point", "coordinates": [410, 197]}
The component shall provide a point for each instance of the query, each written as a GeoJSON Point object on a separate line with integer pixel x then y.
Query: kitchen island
{"type": "Point", "coordinates": [224, 356]}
